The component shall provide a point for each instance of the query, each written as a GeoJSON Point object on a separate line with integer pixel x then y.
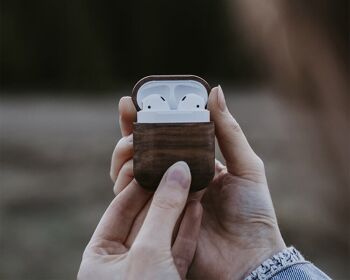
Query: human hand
{"type": "Point", "coordinates": [239, 227]}
{"type": "Point", "coordinates": [150, 253]}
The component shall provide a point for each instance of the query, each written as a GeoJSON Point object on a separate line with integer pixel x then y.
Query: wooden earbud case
{"type": "Point", "coordinates": [159, 145]}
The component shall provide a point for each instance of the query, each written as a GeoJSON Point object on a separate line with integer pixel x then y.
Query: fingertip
{"type": "Point", "coordinates": [124, 102]}
{"type": "Point", "coordinates": [125, 176]}
{"type": "Point", "coordinates": [219, 166]}
{"type": "Point", "coordinates": [127, 114]}
{"type": "Point", "coordinates": [179, 173]}
{"type": "Point", "coordinates": [126, 108]}
{"type": "Point", "coordinates": [123, 152]}
{"type": "Point", "coordinates": [213, 96]}
{"type": "Point", "coordinates": [217, 102]}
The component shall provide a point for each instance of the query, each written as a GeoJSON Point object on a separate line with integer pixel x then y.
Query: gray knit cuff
{"type": "Point", "coordinates": [276, 263]}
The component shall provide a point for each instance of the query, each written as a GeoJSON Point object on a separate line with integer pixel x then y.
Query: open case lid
{"type": "Point", "coordinates": [171, 87]}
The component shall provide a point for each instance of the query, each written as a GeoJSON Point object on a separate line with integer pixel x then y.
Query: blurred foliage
{"type": "Point", "coordinates": [87, 44]}
{"type": "Point", "coordinates": [95, 45]}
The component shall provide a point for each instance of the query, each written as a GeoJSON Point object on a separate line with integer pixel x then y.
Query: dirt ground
{"type": "Point", "coordinates": [55, 155]}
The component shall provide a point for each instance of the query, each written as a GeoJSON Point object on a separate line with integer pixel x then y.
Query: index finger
{"type": "Point", "coordinates": [127, 115]}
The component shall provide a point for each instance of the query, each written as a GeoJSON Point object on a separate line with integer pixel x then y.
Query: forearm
{"type": "Point", "coordinates": [287, 264]}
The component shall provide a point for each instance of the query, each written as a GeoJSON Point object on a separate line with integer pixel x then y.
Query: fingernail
{"type": "Point", "coordinates": [221, 99]}
{"type": "Point", "coordinates": [180, 173]}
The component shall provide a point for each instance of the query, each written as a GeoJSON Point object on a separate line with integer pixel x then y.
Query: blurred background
{"type": "Point", "coordinates": [283, 65]}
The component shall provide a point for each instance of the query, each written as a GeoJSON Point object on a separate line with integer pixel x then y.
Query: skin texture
{"type": "Point", "coordinates": [153, 253]}
{"type": "Point", "coordinates": [239, 228]}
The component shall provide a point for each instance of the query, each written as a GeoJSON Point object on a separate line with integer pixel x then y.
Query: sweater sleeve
{"type": "Point", "coordinates": [287, 265]}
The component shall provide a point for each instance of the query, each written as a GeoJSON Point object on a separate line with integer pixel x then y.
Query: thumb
{"type": "Point", "coordinates": [240, 157]}
{"type": "Point", "coordinates": [167, 205]}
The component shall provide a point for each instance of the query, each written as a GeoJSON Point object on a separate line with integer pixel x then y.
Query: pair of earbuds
{"type": "Point", "coordinates": [189, 102]}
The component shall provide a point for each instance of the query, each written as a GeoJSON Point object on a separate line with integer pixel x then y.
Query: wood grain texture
{"type": "Point", "coordinates": [158, 146]}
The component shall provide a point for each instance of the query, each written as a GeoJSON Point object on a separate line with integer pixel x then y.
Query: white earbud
{"type": "Point", "coordinates": [155, 102]}
{"type": "Point", "coordinates": [191, 102]}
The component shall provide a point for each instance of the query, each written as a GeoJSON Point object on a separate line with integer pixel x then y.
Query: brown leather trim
{"type": "Point", "coordinates": [162, 78]}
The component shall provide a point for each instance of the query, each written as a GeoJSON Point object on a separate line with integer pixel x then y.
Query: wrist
{"type": "Point", "coordinates": [254, 257]}
{"type": "Point", "coordinates": [264, 250]}
{"type": "Point", "coordinates": [258, 257]}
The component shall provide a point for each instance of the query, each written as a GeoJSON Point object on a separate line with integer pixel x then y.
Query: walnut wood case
{"type": "Point", "coordinates": [159, 145]}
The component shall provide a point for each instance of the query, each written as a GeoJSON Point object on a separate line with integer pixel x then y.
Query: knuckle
{"type": "Point", "coordinates": [123, 147]}
{"type": "Point", "coordinates": [127, 169]}
{"type": "Point", "coordinates": [182, 263]}
{"type": "Point", "coordinates": [167, 202]}
{"type": "Point", "coordinates": [124, 177]}
{"type": "Point", "coordinates": [122, 117]}
{"type": "Point", "coordinates": [112, 175]}
{"type": "Point", "coordinates": [255, 171]}
{"type": "Point", "coordinates": [260, 164]}
{"type": "Point", "coordinates": [234, 125]}
{"type": "Point", "coordinates": [116, 189]}
{"type": "Point", "coordinates": [120, 144]}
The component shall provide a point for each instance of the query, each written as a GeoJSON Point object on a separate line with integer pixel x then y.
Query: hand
{"type": "Point", "coordinates": [239, 228]}
{"type": "Point", "coordinates": [151, 255]}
